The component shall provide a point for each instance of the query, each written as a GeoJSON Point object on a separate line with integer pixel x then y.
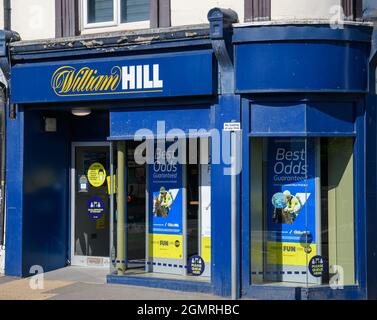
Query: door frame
{"type": "Point", "coordinates": [83, 261]}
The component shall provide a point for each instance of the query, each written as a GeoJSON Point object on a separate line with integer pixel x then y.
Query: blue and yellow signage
{"type": "Point", "coordinates": [291, 217]}
{"type": "Point", "coordinates": [160, 75]}
{"type": "Point", "coordinates": [166, 213]}
{"type": "Point", "coordinates": [96, 207]}
{"type": "Point", "coordinates": [96, 174]}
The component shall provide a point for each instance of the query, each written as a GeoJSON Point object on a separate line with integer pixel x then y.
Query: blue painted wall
{"type": "Point", "coordinates": [124, 123]}
{"type": "Point", "coordinates": [302, 58]}
{"type": "Point", "coordinates": [38, 166]}
{"type": "Point", "coordinates": [94, 127]}
{"type": "Point", "coordinates": [315, 118]}
{"type": "Point", "coordinates": [227, 110]}
{"type": "Point", "coordinates": [14, 196]}
{"type": "Point", "coordinates": [45, 202]}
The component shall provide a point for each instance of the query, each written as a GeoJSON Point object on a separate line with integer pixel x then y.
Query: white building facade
{"type": "Point", "coordinates": [39, 19]}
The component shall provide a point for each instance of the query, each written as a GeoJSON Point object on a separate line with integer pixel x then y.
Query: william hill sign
{"type": "Point", "coordinates": [164, 75]}
{"type": "Point", "coordinates": [70, 81]}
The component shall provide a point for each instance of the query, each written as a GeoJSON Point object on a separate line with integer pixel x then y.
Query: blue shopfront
{"type": "Point", "coordinates": [90, 121]}
{"type": "Point", "coordinates": [82, 125]}
{"type": "Point", "coordinates": [308, 178]}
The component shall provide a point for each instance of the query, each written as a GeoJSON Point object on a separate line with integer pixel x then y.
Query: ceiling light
{"type": "Point", "coordinates": [81, 112]}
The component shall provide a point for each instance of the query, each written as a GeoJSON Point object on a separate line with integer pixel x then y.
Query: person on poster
{"type": "Point", "coordinates": [293, 206]}
{"type": "Point", "coordinates": [286, 207]}
{"type": "Point", "coordinates": [163, 203]}
{"type": "Point", "coordinates": [101, 175]}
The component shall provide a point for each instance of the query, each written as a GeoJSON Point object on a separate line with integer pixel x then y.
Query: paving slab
{"type": "Point", "coordinates": [77, 283]}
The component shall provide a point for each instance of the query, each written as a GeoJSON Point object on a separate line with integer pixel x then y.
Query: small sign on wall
{"type": "Point", "coordinates": [83, 184]}
{"type": "Point", "coordinates": [232, 126]}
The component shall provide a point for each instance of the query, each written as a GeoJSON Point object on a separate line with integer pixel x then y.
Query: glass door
{"type": "Point", "coordinates": [90, 204]}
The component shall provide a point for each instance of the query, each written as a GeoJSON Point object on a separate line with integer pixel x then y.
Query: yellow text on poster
{"type": "Point", "coordinates": [166, 246]}
{"type": "Point", "coordinates": [206, 249]}
{"type": "Point", "coordinates": [96, 174]}
{"type": "Point", "coordinates": [290, 253]}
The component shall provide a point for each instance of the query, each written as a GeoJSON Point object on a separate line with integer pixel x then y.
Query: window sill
{"type": "Point", "coordinates": [120, 27]}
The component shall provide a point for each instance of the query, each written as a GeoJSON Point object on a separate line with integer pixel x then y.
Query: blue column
{"type": "Point", "coordinates": [14, 195]}
{"type": "Point", "coordinates": [227, 110]}
{"type": "Point", "coordinates": [371, 178]}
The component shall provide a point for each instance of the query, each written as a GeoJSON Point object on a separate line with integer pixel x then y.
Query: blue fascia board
{"type": "Point", "coordinates": [302, 32]}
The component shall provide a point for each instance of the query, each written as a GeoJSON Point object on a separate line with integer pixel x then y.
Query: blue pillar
{"type": "Point", "coordinates": [227, 110]}
{"type": "Point", "coordinates": [371, 198]}
{"type": "Point", "coordinates": [14, 195]}
{"type": "Point", "coordinates": [371, 175]}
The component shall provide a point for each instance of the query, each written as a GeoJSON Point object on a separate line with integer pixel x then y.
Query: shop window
{"type": "Point", "coordinates": [168, 210]}
{"type": "Point", "coordinates": [302, 211]}
{"type": "Point", "coordinates": [105, 13]}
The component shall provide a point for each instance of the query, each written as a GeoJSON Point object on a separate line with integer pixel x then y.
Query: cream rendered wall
{"type": "Point", "coordinates": [32, 19]}
{"type": "Point", "coordinates": [1, 15]}
{"type": "Point", "coordinates": [35, 19]}
{"type": "Point", "coordinates": [302, 9]}
{"type": "Point", "coordinates": [195, 11]}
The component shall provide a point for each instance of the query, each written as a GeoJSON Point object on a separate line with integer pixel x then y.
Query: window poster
{"type": "Point", "coordinates": [291, 201]}
{"type": "Point", "coordinates": [166, 209]}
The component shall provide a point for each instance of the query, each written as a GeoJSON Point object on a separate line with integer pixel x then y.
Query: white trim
{"type": "Point", "coordinates": [81, 260]}
{"type": "Point", "coordinates": [87, 25]}
{"type": "Point", "coordinates": [116, 23]}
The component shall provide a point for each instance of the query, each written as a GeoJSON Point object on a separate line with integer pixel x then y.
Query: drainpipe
{"type": "Point", "coordinates": [3, 103]}
{"type": "Point", "coordinates": [221, 21]}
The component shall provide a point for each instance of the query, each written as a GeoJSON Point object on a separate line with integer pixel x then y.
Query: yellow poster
{"type": "Point", "coordinates": [206, 249]}
{"type": "Point", "coordinates": [166, 246]}
{"type": "Point", "coordinates": [290, 253]}
{"type": "Point", "coordinates": [96, 174]}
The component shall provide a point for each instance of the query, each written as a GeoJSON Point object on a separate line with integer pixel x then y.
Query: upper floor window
{"type": "Point", "coordinates": [106, 13]}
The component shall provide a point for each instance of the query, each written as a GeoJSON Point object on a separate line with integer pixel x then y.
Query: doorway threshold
{"type": "Point", "coordinates": [140, 277]}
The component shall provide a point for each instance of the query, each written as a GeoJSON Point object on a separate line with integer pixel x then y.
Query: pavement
{"type": "Point", "coordinates": [78, 283]}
